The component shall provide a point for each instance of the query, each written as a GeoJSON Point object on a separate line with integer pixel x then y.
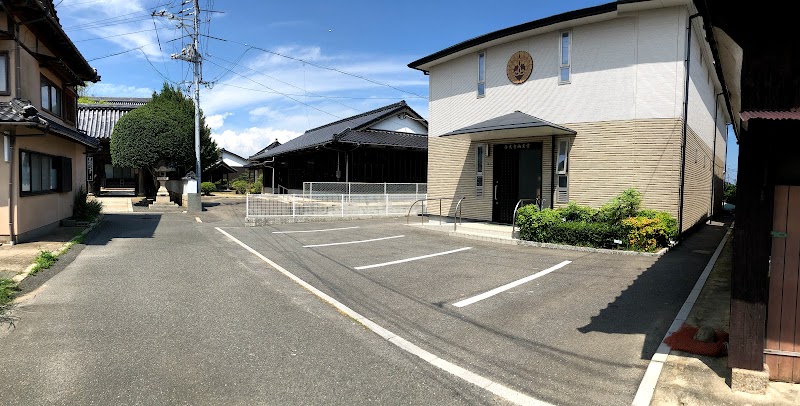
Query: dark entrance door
{"type": "Point", "coordinates": [517, 175]}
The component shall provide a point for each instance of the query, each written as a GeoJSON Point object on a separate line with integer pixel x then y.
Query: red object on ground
{"type": "Point", "coordinates": [683, 340]}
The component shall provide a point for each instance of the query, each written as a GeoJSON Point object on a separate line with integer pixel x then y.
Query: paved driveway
{"type": "Point", "coordinates": [164, 309]}
{"type": "Point", "coordinates": [581, 330]}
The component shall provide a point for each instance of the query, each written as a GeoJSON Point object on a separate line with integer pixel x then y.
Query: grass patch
{"type": "Point", "coordinates": [7, 290]}
{"type": "Point", "coordinates": [44, 260]}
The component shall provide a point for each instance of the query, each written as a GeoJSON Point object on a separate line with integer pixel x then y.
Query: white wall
{"type": "Point", "coordinates": [702, 91]}
{"type": "Point", "coordinates": [405, 125]}
{"type": "Point", "coordinates": [622, 69]}
{"type": "Point", "coordinates": [233, 160]}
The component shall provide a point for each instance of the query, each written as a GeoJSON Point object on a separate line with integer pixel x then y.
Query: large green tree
{"type": "Point", "coordinates": [162, 131]}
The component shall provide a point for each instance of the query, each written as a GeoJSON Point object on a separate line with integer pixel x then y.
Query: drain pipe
{"type": "Point", "coordinates": [685, 121]}
{"type": "Point", "coordinates": [11, 234]}
{"type": "Point", "coordinates": [714, 157]}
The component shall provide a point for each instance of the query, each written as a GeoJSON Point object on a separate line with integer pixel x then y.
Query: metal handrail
{"type": "Point", "coordinates": [280, 187]}
{"type": "Point", "coordinates": [457, 216]}
{"type": "Point", "coordinates": [538, 203]}
{"type": "Point", "coordinates": [422, 215]}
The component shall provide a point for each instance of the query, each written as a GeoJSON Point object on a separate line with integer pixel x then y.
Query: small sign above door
{"type": "Point", "coordinates": [519, 67]}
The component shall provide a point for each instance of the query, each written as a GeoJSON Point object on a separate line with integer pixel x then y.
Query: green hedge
{"type": "Point", "coordinates": [598, 235]}
{"type": "Point", "coordinates": [207, 188]}
{"type": "Point", "coordinates": [620, 219]}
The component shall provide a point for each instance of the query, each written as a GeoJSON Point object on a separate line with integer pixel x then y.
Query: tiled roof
{"type": "Point", "coordinates": [98, 120]}
{"type": "Point", "coordinates": [21, 111]}
{"type": "Point", "coordinates": [386, 139]}
{"type": "Point", "coordinates": [333, 131]}
{"type": "Point", "coordinates": [268, 147]}
{"type": "Point", "coordinates": [121, 101]}
{"type": "Point", "coordinates": [515, 120]}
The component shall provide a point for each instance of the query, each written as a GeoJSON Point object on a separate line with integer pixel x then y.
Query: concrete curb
{"type": "Point", "coordinates": [64, 248]}
{"type": "Point", "coordinates": [644, 395]}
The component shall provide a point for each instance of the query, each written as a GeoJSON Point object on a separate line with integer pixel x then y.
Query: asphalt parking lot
{"type": "Point", "coordinates": [563, 327]}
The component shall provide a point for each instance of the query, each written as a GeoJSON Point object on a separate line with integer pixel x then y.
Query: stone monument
{"type": "Point", "coordinates": [162, 195]}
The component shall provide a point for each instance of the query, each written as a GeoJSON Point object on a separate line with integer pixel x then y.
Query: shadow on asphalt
{"type": "Point", "coordinates": [114, 226]}
{"type": "Point", "coordinates": [646, 307]}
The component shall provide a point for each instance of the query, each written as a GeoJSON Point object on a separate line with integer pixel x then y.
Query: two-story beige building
{"type": "Point", "coordinates": [43, 159]}
{"type": "Point", "coordinates": [579, 107]}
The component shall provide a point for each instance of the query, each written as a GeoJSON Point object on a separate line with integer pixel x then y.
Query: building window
{"type": "Point", "coordinates": [481, 74]}
{"type": "Point", "coordinates": [479, 155]}
{"type": "Point", "coordinates": [44, 173]}
{"type": "Point", "coordinates": [7, 148]}
{"type": "Point", "coordinates": [565, 46]}
{"type": "Point", "coordinates": [562, 169]}
{"type": "Point", "coordinates": [4, 69]}
{"type": "Point", "coordinates": [51, 97]}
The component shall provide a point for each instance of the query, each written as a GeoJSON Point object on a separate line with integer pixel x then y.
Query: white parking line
{"type": "Point", "coordinates": [400, 261]}
{"type": "Point", "coordinates": [496, 388]}
{"type": "Point", "coordinates": [508, 286]}
{"type": "Point", "coordinates": [352, 242]}
{"type": "Point", "coordinates": [314, 231]}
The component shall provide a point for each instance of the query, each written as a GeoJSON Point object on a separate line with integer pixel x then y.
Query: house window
{"type": "Point", "coordinates": [44, 173]}
{"type": "Point", "coordinates": [479, 155]}
{"type": "Point", "coordinates": [481, 74]}
{"type": "Point", "coordinates": [51, 98]}
{"type": "Point", "coordinates": [4, 82]}
{"type": "Point", "coordinates": [565, 46]}
{"type": "Point", "coordinates": [7, 148]}
{"type": "Point", "coordinates": [562, 169]}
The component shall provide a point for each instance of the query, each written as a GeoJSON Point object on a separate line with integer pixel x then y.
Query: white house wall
{"type": "Point", "coordinates": [232, 160]}
{"type": "Point", "coordinates": [701, 93]}
{"type": "Point", "coordinates": [622, 69]}
{"type": "Point", "coordinates": [404, 125]}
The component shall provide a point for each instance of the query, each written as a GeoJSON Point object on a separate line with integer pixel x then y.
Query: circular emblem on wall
{"type": "Point", "coordinates": [519, 68]}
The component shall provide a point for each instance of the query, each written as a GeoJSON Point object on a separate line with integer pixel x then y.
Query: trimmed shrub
{"type": "Point", "coordinates": [625, 205]}
{"type": "Point", "coordinates": [574, 212]}
{"type": "Point", "coordinates": [598, 235]}
{"type": "Point", "coordinates": [646, 234]}
{"type": "Point", "coordinates": [84, 209]}
{"type": "Point", "coordinates": [535, 224]}
{"type": "Point", "coordinates": [669, 223]}
{"type": "Point", "coordinates": [240, 186]}
{"type": "Point", "coordinates": [256, 187]}
{"type": "Point", "coordinates": [208, 188]}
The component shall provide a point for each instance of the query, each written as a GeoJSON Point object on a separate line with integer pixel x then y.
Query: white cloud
{"type": "Point", "coordinates": [251, 140]}
{"type": "Point", "coordinates": [216, 121]}
{"type": "Point", "coordinates": [268, 78]}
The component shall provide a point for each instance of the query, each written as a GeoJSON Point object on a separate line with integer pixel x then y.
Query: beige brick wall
{"type": "Point", "coordinates": [451, 172]}
{"type": "Point", "coordinates": [605, 159]}
{"type": "Point", "coordinates": [609, 157]}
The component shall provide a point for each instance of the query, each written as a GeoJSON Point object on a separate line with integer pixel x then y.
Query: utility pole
{"type": "Point", "coordinates": [191, 53]}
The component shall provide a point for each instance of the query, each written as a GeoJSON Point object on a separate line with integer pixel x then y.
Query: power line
{"type": "Point", "coordinates": [273, 90]}
{"type": "Point", "coordinates": [318, 65]}
{"type": "Point", "coordinates": [301, 95]}
{"type": "Point", "coordinates": [284, 82]}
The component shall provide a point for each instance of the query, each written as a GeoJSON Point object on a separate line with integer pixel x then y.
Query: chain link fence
{"type": "Point", "coordinates": [331, 205]}
{"type": "Point", "coordinates": [354, 188]}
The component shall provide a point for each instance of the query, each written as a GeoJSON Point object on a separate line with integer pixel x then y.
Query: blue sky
{"type": "Point", "coordinates": [256, 97]}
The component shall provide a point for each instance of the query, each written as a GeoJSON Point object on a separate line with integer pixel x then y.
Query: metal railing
{"type": "Point", "coordinates": [537, 201]}
{"type": "Point", "coordinates": [356, 188]}
{"type": "Point", "coordinates": [457, 214]}
{"type": "Point", "coordinates": [329, 205]}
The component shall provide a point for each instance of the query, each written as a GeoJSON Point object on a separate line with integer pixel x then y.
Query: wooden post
{"type": "Point", "coordinates": [752, 242]}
